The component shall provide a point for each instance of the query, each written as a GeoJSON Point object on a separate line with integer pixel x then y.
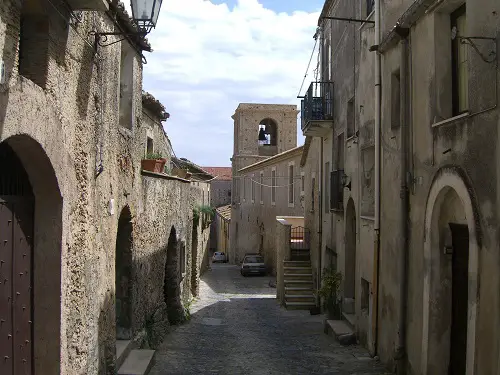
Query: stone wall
{"type": "Point", "coordinates": [85, 170]}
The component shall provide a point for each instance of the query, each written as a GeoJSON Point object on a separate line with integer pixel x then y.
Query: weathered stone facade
{"type": "Point", "coordinates": [452, 169]}
{"type": "Point", "coordinates": [65, 124]}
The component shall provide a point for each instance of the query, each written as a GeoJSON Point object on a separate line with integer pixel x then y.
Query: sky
{"type": "Point", "coordinates": [209, 56]}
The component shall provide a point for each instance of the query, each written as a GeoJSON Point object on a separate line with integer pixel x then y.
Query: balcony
{"type": "Point", "coordinates": [317, 110]}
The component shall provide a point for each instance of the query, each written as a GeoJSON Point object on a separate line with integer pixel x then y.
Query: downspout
{"type": "Point", "coordinates": [376, 240]}
{"type": "Point", "coordinates": [320, 211]}
{"type": "Point", "coordinates": [401, 339]}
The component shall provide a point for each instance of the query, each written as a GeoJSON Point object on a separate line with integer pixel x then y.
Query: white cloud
{"type": "Point", "coordinates": [207, 58]}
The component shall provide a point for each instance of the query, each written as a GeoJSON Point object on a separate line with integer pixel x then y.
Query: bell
{"type": "Point", "coordinates": [262, 135]}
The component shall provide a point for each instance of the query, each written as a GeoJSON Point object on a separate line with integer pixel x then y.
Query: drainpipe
{"type": "Point", "coordinates": [401, 339]}
{"type": "Point", "coordinates": [320, 216]}
{"type": "Point", "coordinates": [376, 240]}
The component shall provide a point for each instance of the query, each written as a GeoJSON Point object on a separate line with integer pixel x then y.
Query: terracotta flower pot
{"type": "Point", "coordinates": [153, 165]}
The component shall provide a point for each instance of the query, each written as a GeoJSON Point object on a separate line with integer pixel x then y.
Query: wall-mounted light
{"type": "Point", "coordinates": [144, 14]}
{"type": "Point", "coordinates": [343, 179]}
{"type": "Point", "coordinates": [470, 41]}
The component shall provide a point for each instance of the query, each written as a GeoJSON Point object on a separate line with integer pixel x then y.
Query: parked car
{"type": "Point", "coordinates": [253, 264]}
{"type": "Point", "coordinates": [219, 257]}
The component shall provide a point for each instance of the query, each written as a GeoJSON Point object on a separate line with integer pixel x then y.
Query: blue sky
{"type": "Point", "coordinates": [211, 55]}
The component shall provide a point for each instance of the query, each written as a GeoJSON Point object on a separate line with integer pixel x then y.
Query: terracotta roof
{"type": "Point", "coordinates": [224, 212]}
{"type": "Point", "coordinates": [222, 173]}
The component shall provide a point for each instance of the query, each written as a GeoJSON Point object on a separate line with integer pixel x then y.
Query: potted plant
{"type": "Point", "coordinates": [153, 162]}
{"type": "Point", "coordinates": [330, 287]}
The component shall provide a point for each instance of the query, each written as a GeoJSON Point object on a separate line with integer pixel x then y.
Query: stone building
{"type": "Point", "coordinates": [103, 250]}
{"type": "Point", "coordinates": [406, 138]}
{"type": "Point", "coordinates": [222, 227]}
{"type": "Point", "coordinates": [220, 189]}
{"type": "Point", "coordinates": [260, 131]}
{"type": "Point", "coordinates": [269, 188]}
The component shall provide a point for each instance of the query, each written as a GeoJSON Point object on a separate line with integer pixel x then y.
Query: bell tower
{"type": "Point", "coordinates": [260, 131]}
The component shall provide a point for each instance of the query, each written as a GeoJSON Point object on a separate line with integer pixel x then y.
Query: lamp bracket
{"type": "Point", "coordinates": [492, 57]}
{"type": "Point", "coordinates": [101, 39]}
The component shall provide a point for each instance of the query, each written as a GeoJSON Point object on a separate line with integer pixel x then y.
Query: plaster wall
{"type": "Point", "coordinates": [468, 144]}
{"type": "Point", "coordinates": [256, 219]}
{"type": "Point", "coordinates": [74, 121]}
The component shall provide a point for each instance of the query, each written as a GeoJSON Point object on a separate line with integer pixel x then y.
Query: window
{"type": "Point", "coordinates": [350, 118]}
{"type": "Point", "coordinates": [273, 186]}
{"type": "Point", "coordinates": [370, 5]}
{"type": "Point", "coordinates": [460, 74]}
{"type": "Point", "coordinates": [302, 183]}
{"type": "Point", "coordinates": [149, 146]}
{"type": "Point", "coordinates": [34, 41]}
{"type": "Point", "coordinates": [126, 85]}
{"type": "Point", "coordinates": [291, 197]}
{"type": "Point", "coordinates": [395, 99]}
{"type": "Point", "coordinates": [252, 187]}
{"type": "Point", "coordinates": [261, 187]}
{"type": "Point", "coordinates": [327, 188]}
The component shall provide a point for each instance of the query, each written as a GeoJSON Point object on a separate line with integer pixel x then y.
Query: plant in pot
{"type": "Point", "coordinates": [153, 162]}
{"type": "Point", "coordinates": [329, 292]}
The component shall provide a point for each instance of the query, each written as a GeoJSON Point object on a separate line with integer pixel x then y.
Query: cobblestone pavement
{"type": "Point", "coordinates": [238, 327]}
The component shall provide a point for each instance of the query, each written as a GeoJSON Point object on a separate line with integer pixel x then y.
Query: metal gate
{"type": "Point", "coordinates": [16, 282]}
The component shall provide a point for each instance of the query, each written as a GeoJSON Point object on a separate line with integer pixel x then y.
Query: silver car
{"type": "Point", "coordinates": [219, 257]}
{"type": "Point", "coordinates": [253, 264]}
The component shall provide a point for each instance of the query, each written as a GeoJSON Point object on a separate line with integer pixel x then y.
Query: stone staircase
{"type": "Point", "coordinates": [132, 361]}
{"type": "Point", "coordinates": [298, 280]}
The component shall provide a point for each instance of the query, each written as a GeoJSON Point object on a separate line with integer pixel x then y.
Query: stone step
{"type": "Point", "coordinates": [341, 331]}
{"type": "Point", "coordinates": [307, 298]}
{"type": "Point", "coordinates": [298, 276]}
{"type": "Point", "coordinates": [299, 305]}
{"type": "Point", "coordinates": [296, 263]}
{"type": "Point", "coordinates": [138, 362]}
{"type": "Point", "coordinates": [288, 270]}
{"type": "Point", "coordinates": [299, 290]}
{"type": "Point", "coordinates": [350, 319]}
{"type": "Point", "coordinates": [123, 348]}
{"type": "Point", "coordinates": [298, 283]}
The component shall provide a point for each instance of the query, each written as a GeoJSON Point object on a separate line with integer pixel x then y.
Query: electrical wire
{"type": "Point", "coordinates": [308, 65]}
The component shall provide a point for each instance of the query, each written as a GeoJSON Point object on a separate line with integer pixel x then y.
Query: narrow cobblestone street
{"type": "Point", "coordinates": [238, 327]}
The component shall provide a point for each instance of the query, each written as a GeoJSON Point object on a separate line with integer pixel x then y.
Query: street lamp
{"type": "Point", "coordinates": [144, 15]}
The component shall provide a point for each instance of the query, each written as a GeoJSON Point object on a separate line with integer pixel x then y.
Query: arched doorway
{"type": "Point", "coordinates": [123, 276]}
{"type": "Point", "coordinates": [450, 278]}
{"type": "Point", "coordinates": [171, 286]}
{"type": "Point", "coordinates": [350, 259]}
{"type": "Point", "coordinates": [30, 269]}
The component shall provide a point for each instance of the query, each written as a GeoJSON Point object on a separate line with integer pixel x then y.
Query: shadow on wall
{"type": "Point", "coordinates": [85, 78]}
{"type": "Point", "coordinates": [9, 57]}
{"type": "Point", "coordinates": [106, 337]}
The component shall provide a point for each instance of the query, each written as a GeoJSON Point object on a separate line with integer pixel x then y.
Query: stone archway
{"type": "Point", "coordinates": [31, 228]}
{"type": "Point", "coordinates": [350, 259]}
{"type": "Point", "coordinates": [123, 276]}
{"type": "Point", "coordinates": [172, 283]}
{"type": "Point", "coordinates": [451, 261]}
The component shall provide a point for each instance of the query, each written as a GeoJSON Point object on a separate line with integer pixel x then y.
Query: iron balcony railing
{"type": "Point", "coordinates": [317, 104]}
